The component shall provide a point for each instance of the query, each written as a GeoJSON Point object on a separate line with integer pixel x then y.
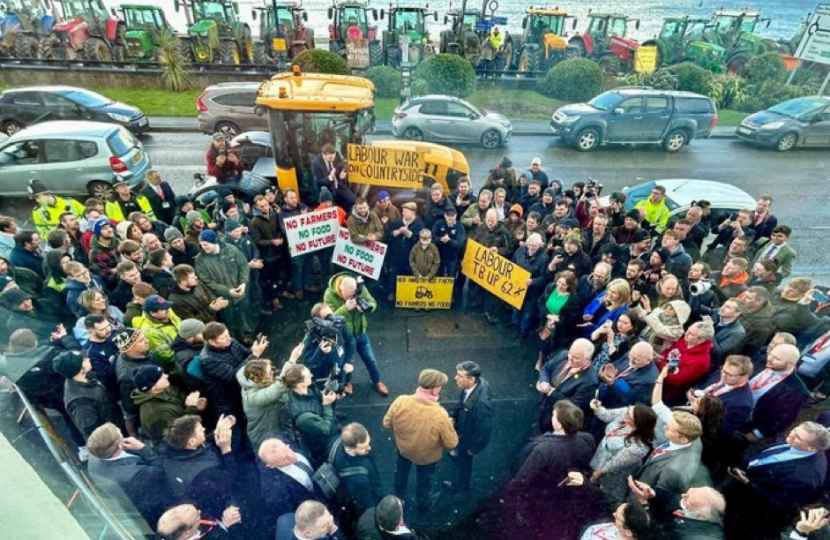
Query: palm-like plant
{"type": "Point", "coordinates": [173, 63]}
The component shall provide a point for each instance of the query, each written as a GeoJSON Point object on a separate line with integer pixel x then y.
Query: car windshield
{"type": "Point", "coordinates": [606, 101]}
{"type": "Point", "coordinates": [795, 108]}
{"type": "Point", "coordinates": [87, 99]}
{"type": "Point", "coordinates": [121, 142]}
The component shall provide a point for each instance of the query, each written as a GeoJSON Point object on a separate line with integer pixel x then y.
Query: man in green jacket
{"type": "Point", "coordinates": [354, 303]}
{"type": "Point", "coordinates": [160, 403]}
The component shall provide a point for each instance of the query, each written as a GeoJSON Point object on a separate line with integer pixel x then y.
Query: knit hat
{"type": "Point", "coordinates": [145, 377]}
{"type": "Point", "coordinates": [192, 216]}
{"type": "Point", "coordinates": [126, 338]}
{"type": "Point", "coordinates": [156, 303]}
{"type": "Point", "coordinates": [551, 192]}
{"type": "Point", "coordinates": [569, 223]}
{"type": "Point", "coordinates": [618, 196]}
{"type": "Point", "coordinates": [209, 237]}
{"type": "Point", "coordinates": [182, 200]}
{"type": "Point", "coordinates": [12, 298]}
{"type": "Point", "coordinates": [410, 206]}
{"type": "Point", "coordinates": [569, 193]}
{"type": "Point", "coordinates": [615, 251]}
{"type": "Point", "coordinates": [663, 253]}
{"type": "Point", "coordinates": [172, 233]}
{"type": "Point", "coordinates": [231, 225]}
{"type": "Point", "coordinates": [190, 328]}
{"type": "Point", "coordinates": [633, 214]}
{"type": "Point", "coordinates": [221, 193]}
{"type": "Point", "coordinates": [99, 224]}
{"type": "Point", "coordinates": [431, 378]}
{"type": "Point", "coordinates": [68, 363]}
{"type": "Point", "coordinates": [639, 236]}
{"type": "Point", "coordinates": [383, 195]}
{"type": "Point", "coordinates": [36, 187]}
{"type": "Point", "coordinates": [325, 195]}
{"type": "Point", "coordinates": [226, 206]}
{"type": "Point", "coordinates": [518, 209]}
{"type": "Point", "coordinates": [505, 163]}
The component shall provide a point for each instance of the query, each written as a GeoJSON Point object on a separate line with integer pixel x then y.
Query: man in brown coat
{"type": "Point", "coordinates": [422, 429]}
{"type": "Point", "coordinates": [364, 226]}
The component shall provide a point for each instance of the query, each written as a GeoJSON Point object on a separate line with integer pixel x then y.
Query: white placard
{"type": "Point", "coordinates": [366, 259]}
{"type": "Point", "coordinates": [311, 231]}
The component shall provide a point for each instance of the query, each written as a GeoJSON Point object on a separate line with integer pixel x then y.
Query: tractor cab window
{"type": "Point", "coordinates": [616, 27]}
{"type": "Point", "coordinates": [209, 10]}
{"type": "Point", "coordinates": [748, 24]}
{"type": "Point", "coordinates": [549, 23]}
{"type": "Point", "coordinates": [78, 8]}
{"type": "Point", "coordinates": [694, 32]}
{"type": "Point", "coordinates": [355, 17]}
{"type": "Point", "coordinates": [468, 23]}
{"type": "Point", "coordinates": [597, 26]}
{"type": "Point", "coordinates": [409, 21]}
{"type": "Point", "coordinates": [143, 18]}
{"type": "Point", "coordinates": [12, 6]}
{"type": "Point", "coordinates": [230, 14]}
{"type": "Point", "coordinates": [670, 30]}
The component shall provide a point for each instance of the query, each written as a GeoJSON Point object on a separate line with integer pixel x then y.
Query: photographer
{"type": "Point", "coordinates": [323, 348]}
{"type": "Point", "coordinates": [588, 205]}
{"type": "Point", "coordinates": [223, 162]}
{"type": "Point", "coordinates": [350, 299]}
{"type": "Point", "coordinates": [312, 416]}
{"type": "Point", "coordinates": [702, 299]}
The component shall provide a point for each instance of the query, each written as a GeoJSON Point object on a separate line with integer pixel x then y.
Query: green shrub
{"type": "Point", "coordinates": [767, 68]}
{"type": "Point", "coordinates": [445, 74]}
{"type": "Point", "coordinates": [662, 79]}
{"type": "Point", "coordinates": [692, 78]}
{"type": "Point", "coordinates": [320, 61]}
{"type": "Point", "coordinates": [419, 87]}
{"type": "Point", "coordinates": [760, 97]}
{"type": "Point", "coordinates": [726, 89]}
{"type": "Point", "coordinates": [387, 81]}
{"type": "Point", "coordinates": [574, 79]}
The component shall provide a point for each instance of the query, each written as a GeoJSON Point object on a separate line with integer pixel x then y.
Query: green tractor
{"type": "Point", "coordinates": [735, 32]}
{"type": "Point", "coordinates": [411, 22]}
{"type": "Point", "coordinates": [283, 34]}
{"type": "Point", "coordinates": [681, 39]}
{"type": "Point", "coordinates": [348, 29]}
{"type": "Point", "coordinates": [145, 25]}
{"type": "Point", "coordinates": [216, 35]}
{"type": "Point", "coordinates": [462, 38]}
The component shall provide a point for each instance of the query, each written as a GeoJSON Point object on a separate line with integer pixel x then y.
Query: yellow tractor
{"type": "Point", "coordinates": [544, 39]}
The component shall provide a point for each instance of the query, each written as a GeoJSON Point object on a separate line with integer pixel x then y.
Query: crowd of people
{"type": "Point", "coordinates": [670, 401]}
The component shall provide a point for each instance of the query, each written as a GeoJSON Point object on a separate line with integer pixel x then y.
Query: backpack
{"type": "Point", "coordinates": [327, 477]}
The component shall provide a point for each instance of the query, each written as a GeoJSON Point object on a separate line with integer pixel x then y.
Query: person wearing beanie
{"type": "Point", "coordinates": [187, 346]}
{"type": "Point", "coordinates": [236, 235]}
{"type": "Point", "coordinates": [87, 402]}
{"type": "Point", "coordinates": [630, 228]}
{"type": "Point", "coordinates": [329, 172]}
{"type": "Point", "coordinates": [515, 225]}
{"type": "Point", "coordinates": [386, 212]}
{"type": "Point", "coordinates": [47, 213]}
{"type": "Point", "coordinates": [616, 210]}
{"type": "Point", "coordinates": [504, 175]}
{"type": "Point", "coordinates": [180, 251]}
{"type": "Point", "coordinates": [161, 197]}
{"type": "Point", "coordinates": [546, 205]}
{"type": "Point", "coordinates": [103, 253]}
{"type": "Point", "coordinates": [160, 403]}
{"type": "Point", "coordinates": [124, 202]}
{"type": "Point", "coordinates": [160, 325]}
{"type": "Point", "coordinates": [195, 224]}
{"type": "Point", "coordinates": [184, 205]}
{"type": "Point", "coordinates": [406, 418]}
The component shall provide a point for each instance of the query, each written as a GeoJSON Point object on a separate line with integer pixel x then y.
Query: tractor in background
{"type": "Point", "coordinates": [543, 43]}
{"type": "Point", "coordinates": [735, 32]}
{"type": "Point", "coordinates": [349, 26]}
{"type": "Point", "coordinates": [145, 26]}
{"type": "Point", "coordinates": [87, 32]}
{"type": "Point", "coordinates": [604, 41]}
{"type": "Point", "coordinates": [462, 38]}
{"type": "Point", "coordinates": [681, 39]}
{"type": "Point", "coordinates": [23, 24]}
{"type": "Point", "coordinates": [282, 31]}
{"type": "Point", "coordinates": [216, 35]}
{"type": "Point", "coordinates": [410, 22]}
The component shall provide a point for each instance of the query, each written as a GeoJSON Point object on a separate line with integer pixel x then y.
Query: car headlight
{"type": "Point", "coordinates": [567, 120]}
{"type": "Point", "coordinates": [119, 117]}
{"type": "Point", "coordinates": [773, 125]}
{"type": "Point", "coordinates": [506, 123]}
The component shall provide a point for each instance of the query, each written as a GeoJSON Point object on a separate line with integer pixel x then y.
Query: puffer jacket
{"type": "Point", "coordinates": [662, 331]}
{"type": "Point", "coordinates": [160, 334]}
{"type": "Point", "coordinates": [355, 321]}
{"type": "Point", "coordinates": [266, 408]}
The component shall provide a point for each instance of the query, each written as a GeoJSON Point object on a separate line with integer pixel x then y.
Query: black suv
{"type": "Point", "coordinates": [636, 116]}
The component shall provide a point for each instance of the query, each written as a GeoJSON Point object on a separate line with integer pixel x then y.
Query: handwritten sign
{"type": "Point", "coordinates": [496, 274]}
{"type": "Point", "coordinates": [312, 231]}
{"type": "Point", "coordinates": [366, 259]}
{"type": "Point", "coordinates": [391, 168]}
{"type": "Point", "coordinates": [357, 53]}
{"type": "Point", "coordinates": [413, 292]}
{"type": "Point", "coordinates": [645, 59]}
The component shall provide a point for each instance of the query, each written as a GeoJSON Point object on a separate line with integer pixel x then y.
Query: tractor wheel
{"type": "Point", "coordinates": [338, 48]}
{"type": "Point", "coordinates": [119, 53]}
{"type": "Point", "coordinates": [375, 54]}
{"type": "Point", "coordinates": [248, 46]}
{"type": "Point", "coordinates": [609, 63]}
{"type": "Point", "coordinates": [261, 58]}
{"type": "Point", "coordinates": [228, 53]}
{"type": "Point", "coordinates": [736, 64]}
{"type": "Point", "coordinates": [530, 60]}
{"type": "Point", "coordinates": [97, 49]}
{"type": "Point", "coordinates": [443, 44]}
{"type": "Point", "coordinates": [576, 47]}
{"type": "Point", "coordinates": [186, 49]}
{"type": "Point", "coordinates": [44, 49]}
{"type": "Point", "coordinates": [393, 56]}
{"type": "Point", "coordinates": [25, 47]}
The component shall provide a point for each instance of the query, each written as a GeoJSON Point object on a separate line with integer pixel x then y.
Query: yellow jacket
{"type": "Point", "coordinates": [656, 214]}
{"type": "Point", "coordinates": [160, 335]}
{"type": "Point", "coordinates": [47, 218]}
{"type": "Point", "coordinates": [113, 209]}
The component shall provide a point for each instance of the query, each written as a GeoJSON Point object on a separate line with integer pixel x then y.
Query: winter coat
{"type": "Point", "coordinates": [263, 229]}
{"type": "Point", "coordinates": [400, 246]}
{"type": "Point", "coordinates": [188, 256]}
{"type": "Point", "coordinates": [424, 262]}
{"type": "Point", "coordinates": [160, 278]}
{"type": "Point", "coordinates": [661, 331]}
{"type": "Point", "coordinates": [360, 227]}
{"type": "Point", "coordinates": [158, 411]}
{"type": "Point", "coordinates": [160, 334]}
{"type": "Point", "coordinates": [449, 251]}
{"type": "Point", "coordinates": [422, 429]}
{"type": "Point", "coordinates": [694, 365]}
{"type": "Point", "coordinates": [89, 405]}
{"type": "Point", "coordinates": [537, 266]}
{"type": "Point", "coordinates": [223, 271]}
{"type": "Point", "coordinates": [468, 216]}
{"type": "Point", "coordinates": [103, 259]}
{"type": "Point", "coordinates": [392, 214]}
{"type": "Point", "coordinates": [220, 366]}
{"type": "Point", "coordinates": [435, 211]}
{"type": "Point", "coordinates": [23, 258]}
{"type": "Point", "coordinates": [266, 408]}
{"type": "Point", "coordinates": [73, 292]}
{"type": "Point", "coordinates": [355, 320]}
{"type": "Point", "coordinates": [498, 238]}
{"type": "Point", "coordinates": [193, 304]}
{"type": "Point", "coordinates": [203, 476]}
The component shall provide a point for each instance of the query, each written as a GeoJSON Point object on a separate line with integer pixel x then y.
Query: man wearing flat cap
{"type": "Point", "coordinates": [422, 429]}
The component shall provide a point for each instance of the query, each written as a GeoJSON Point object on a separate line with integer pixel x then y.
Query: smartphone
{"type": "Point", "coordinates": [674, 365]}
{"type": "Point", "coordinates": [820, 297]}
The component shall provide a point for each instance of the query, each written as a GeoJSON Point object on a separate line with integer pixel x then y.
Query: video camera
{"type": "Point", "coordinates": [592, 188]}
{"type": "Point", "coordinates": [362, 304]}
{"type": "Point", "coordinates": [324, 329]}
{"type": "Point", "coordinates": [700, 287]}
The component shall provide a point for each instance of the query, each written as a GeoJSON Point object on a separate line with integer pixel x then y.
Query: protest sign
{"type": "Point", "coordinates": [357, 53]}
{"type": "Point", "coordinates": [496, 274]}
{"type": "Point", "coordinates": [366, 259]}
{"type": "Point", "coordinates": [311, 231]}
{"type": "Point", "coordinates": [387, 167]}
{"type": "Point", "coordinates": [413, 292]}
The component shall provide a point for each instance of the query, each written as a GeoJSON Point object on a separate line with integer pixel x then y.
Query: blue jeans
{"type": "Point", "coordinates": [362, 345]}
{"type": "Point", "coordinates": [523, 319]}
{"type": "Point", "coordinates": [301, 272]}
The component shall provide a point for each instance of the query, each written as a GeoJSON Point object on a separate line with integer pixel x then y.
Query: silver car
{"type": "Point", "coordinates": [230, 108]}
{"type": "Point", "coordinates": [71, 158]}
{"type": "Point", "coordinates": [442, 118]}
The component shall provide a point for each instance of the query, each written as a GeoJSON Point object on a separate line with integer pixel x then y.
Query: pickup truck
{"type": "Point", "coordinates": [636, 116]}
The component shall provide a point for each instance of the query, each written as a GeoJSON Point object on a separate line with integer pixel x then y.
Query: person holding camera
{"type": "Point", "coordinates": [312, 415]}
{"type": "Point", "coordinates": [323, 347]}
{"type": "Point", "coordinates": [223, 162]}
{"type": "Point", "coordinates": [347, 297]}
{"type": "Point", "coordinates": [702, 298]}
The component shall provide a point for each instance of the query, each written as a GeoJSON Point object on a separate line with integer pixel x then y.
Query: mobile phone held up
{"type": "Point", "coordinates": [674, 361]}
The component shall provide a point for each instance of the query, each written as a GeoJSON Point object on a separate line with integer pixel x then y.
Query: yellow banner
{"type": "Point", "coordinates": [385, 167]}
{"type": "Point", "coordinates": [279, 44]}
{"type": "Point", "coordinates": [435, 293]}
{"type": "Point", "coordinates": [645, 59]}
{"type": "Point", "coordinates": [498, 275]}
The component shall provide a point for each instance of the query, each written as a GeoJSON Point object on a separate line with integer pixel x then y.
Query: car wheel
{"type": "Point", "coordinates": [587, 140]}
{"type": "Point", "coordinates": [228, 129]}
{"type": "Point", "coordinates": [491, 139]}
{"type": "Point", "coordinates": [786, 142]}
{"type": "Point", "coordinates": [10, 127]}
{"type": "Point", "coordinates": [413, 134]}
{"type": "Point", "coordinates": [676, 140]}
{"type": "Point", "coordinates": [100, 189]}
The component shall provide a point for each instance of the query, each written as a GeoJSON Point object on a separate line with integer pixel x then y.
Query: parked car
{"type": "Point", "coordinates": [803, 121]}
{"type": "Point", "coordinates": [726, 199]}
{"type": "Point", "coordinates": [230, 108]}
{"type": "Point", "coordinates": [636, 115]}
{"type": "Point", "coordinates": [440, 118]}
{"type": "Point", "coordinates": [72, 158]}
{"type": "Point", "coordinates": [22, 107]}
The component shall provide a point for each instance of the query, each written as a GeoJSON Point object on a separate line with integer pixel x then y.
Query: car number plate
{"type": "Point", "coordinates": [137, 157]}
{"type": "Point", "coordinates": [143, 121]}
{"type": "Point", "coordinates": [745, 131]}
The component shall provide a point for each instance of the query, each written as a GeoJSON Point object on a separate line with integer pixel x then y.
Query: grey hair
{"type": "Point", "coordinates": [705, 330]}
{"type": "Point", "coordinates": [821, 437]}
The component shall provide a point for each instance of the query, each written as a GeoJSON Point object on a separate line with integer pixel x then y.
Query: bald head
{"type": "Point", "coordinates": [640, 354]}
{"type": "Point", "coordinates": [704, 502]}
{"type": "Point", "coordinates": [178, 523]}
{"type": "Point", "coordinates": [274, 454]}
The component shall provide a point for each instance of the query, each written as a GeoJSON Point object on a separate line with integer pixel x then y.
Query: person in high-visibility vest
{"type": "Point", "coordinates": [124, 202]}
{"type": "Point", "coordinates": [47, 214]}
{"type": "Point", "coordinates": [495, 38]}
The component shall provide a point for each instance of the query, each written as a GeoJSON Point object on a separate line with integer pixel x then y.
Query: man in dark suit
{"type": "Point", "coordinates": [630, 379]}
{"type": "Point", "coordinates": [311, 521]}
{"type": "Point", "coordinates": [160, 196]}
{"type": "Point", "coordinates": [731, 386]}
{"type": "Point", "coordinates": [698, 515]}
{"type": "Point", "coordinates": [473, 421]}
{"type": "Point", "coordinates": [762, 221]}
{"type": "Point", "coordinates": [328, 171]}
{"type": "Point", "coordinates": [729, 333]}
{"type": "Point", "coordinates": [774, 483]}
{"type": "Point", "coordinates": [778, 249]}
{"type": "Point", "coordinates": [127, 466]}
{"type": "Point", "coordinates": [186, 522]}
{"type": "Point", "coordinates": [285, 477]}
{"type": "Point", "coordinates": [567, 376]}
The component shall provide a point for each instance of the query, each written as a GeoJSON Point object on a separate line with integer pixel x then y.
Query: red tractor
{"type": "Point", "coordinates": [88, 32]}
{"type": "Point", "coordinates": [605, 42]}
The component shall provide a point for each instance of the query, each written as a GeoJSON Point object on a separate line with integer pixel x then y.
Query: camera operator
{"type": "Point", "coordinates": [702, 299]}
{"type": "Point", "coordinates": [324, 349]}
{"type": "Point", "coordinates": [588, 205]}
{"type": "Point", "coordinates": [223, 162]}
{"type": "Point", "coordinates": [350, 299]}
{"type": "Point", "coordinates": [312, 416]}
